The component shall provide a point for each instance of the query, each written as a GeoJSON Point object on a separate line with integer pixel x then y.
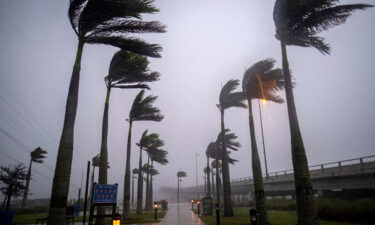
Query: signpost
{"type": "Point", "coordinates": [207, 206]}
{"type": "Point", "coordinates": [103, 195]}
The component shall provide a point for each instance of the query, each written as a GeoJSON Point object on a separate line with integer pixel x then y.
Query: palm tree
{"type": "Point", "coordinates": [159, 156]}
{"type": "Point", "coordinates": [207, 171]}
{"type": "Point", "coordinates": [147, 141]}
{"type": "Point", "coordinates": [228, 99]}
{"type": "Point", "coordinates": [298, 23]}
{"type": "Point", "coordinates": [127, 70]}
{"type": "Point", "coordinates": [260, 81]}
{"type": "Point", "coordinates": [37, 156]}
{"type": "Point", "coordinates": [180, 174]}
{"type": "Point", "coordinates": [134, 172]}
{"type": "Point", "coordinates": [142, 110]}
{"type": "Point", "coordinates": [152, 172]}
{"type": "Point", "coordinates": [216, 164]}
{"type": "Point", "coordinates": [96, 22]}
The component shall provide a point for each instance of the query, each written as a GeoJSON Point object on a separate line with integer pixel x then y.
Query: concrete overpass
{"type": "Point", "coordinates": [352, 177]}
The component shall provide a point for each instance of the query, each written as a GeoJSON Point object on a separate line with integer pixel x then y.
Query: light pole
{"type": "Point", "coordinates": [196, 169]}
{"type": "Point", "coordinates": [261, 127]}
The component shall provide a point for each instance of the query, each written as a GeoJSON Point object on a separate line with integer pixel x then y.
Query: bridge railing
{"type": "Point", "coordinates": [321, 167]}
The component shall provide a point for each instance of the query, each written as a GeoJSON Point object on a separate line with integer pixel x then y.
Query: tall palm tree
{"type": "Point", "coordinates": [216, 164]}
{"type": "Point", "coordinates": [228, 99]}
{"type": "Point", "coordinates": [37, 156]}
{"type": "Point", "coordinates": [299, 23]}
{"type": "Point", "coordinates": [141, 110]}
{"type": "Point", "coordinates": [96, 22]}
{"type": "Point", "coordinates": [134, 172]}
{"type": "Point", "coordinates": [147, 141]}
{"type": "Point", "coordinates": [260, 81]}
{"type": "Point", "coordinates": [159, 156]}
{"type": "Point", "coordinates": [152, 172]}
{"type": "Point", "coordinates": [126, 71]}
{"type": "Point", "coordinates": [207, 172]}
{"type": "Point", "coordinates": [180, 174]}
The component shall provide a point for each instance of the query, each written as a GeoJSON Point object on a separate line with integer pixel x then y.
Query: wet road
{"type": "Point", "coordinates": [181, 215]}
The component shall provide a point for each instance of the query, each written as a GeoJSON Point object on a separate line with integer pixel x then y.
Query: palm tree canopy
{"type": "Point", "coordinates": [228, 98]}
{"type": "Point", "coordinates": [154, 172]}
{"type": "Point", "coordinates": [150, 141]}
{"type": "Point", "coordinates": [261, 81]}
{"type": "Point", "coordinates": [38, 155]}
{"type": "Point", "coordinates": [181, 174]}
{"type": "Point", "coordinates": [206, 170]}
{"type": "Point", "coordinates": [111, 22]}
{"type": "Point", "coordinates": [213, 164]}
{"type": "Point", "coordinates": [135, 171]}
{"type": "Point", "coordinates": [214, 151]}
{"type": "Point", "coordinates": [158, 155]}
{"type": "Point", "coordinates": [96, 160]}
{"type": "Point", "coordinates": [142, 108]}
{"type": "Point", "coordinates": [129, 70]}
{"type": "Point", "coordinates": [230, 140]}
{"type": "Point", "coordinates": [298, 22]}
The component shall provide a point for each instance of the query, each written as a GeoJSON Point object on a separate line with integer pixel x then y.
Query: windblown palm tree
{"type": "Point", "coordinates": [134, 172]}
{"type": "Point", "coordinates": [147, 141]}
{"type": "Point", "coordinates": [260, 81]}
{"type": "Point", "coordinates": [37, 156]}
{"type": "Point", "coordinates": [142, 110]}
{"type": "Point", "coordinates": [228, 99]}
{"type": "Point", "coordinates": [96, 22]}
{"type": "Point", "coordinates": [127, 70]}
{"type": "Point", "coordinates": [216, 164]}
{"type": "Point", "coordinates": [180, 174]}
{"type": "Point", "coordinates": [299, 23]}
{"type": "Point", "coordinates": [207, 171]}
{"type": "Point", "coordinates": [159, 156]}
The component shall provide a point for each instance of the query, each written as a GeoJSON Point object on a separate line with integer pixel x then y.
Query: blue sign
{"type": "Point", "coordinates": [105, 194]}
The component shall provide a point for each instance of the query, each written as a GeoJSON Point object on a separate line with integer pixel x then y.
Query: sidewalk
{"type": "Point", "coordinates": [181, 214]}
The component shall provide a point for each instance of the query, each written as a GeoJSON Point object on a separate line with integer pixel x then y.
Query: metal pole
{"type": "Point", "coordinates": [217, 214]}
{"type": "Point", "coordinates": [86, 192]}
{"type": "Point", "coordinates": [196, 169]}
{"type": "Point", "coordinates": [264, 148]}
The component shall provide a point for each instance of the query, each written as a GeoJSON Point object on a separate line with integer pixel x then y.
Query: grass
{"type": "Point", "coordinates": [147, 217]}
{"type": "Point", "coordinates": [275, 217]}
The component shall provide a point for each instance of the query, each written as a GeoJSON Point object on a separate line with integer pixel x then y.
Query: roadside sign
{"type": "Point", "coordinates": [104, 194]}
{"type": "Point", "coordinates": [207, 206]}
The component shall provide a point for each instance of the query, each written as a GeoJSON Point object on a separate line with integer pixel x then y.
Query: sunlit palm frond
{"type": "Point", "coordinates": [262, 81]}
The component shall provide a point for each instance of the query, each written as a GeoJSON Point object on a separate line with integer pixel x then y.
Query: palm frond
{"type": "Point", "coordinates": [132, 44]}
{"type": "Point", "coordinates": [123, 26]}
{"type": "Point", "coordinates": [38, 155]}
{"type": "Point", "coordinates": [142, 109]}
{"type": "Point", "coordinates": [74, 12]}
{"type": "Point", "coordinates": [98, 12]}
{"type": "Point", "coordinates": [299, 22]}
{"type": "Point", "coordinates": [135, 171]}
{"type": "Point", "coordinates": [228, 98]}
{"type": "Point", "coordinates": [181, 174]}
{"type": "Point", "coordinates": [262, 81]}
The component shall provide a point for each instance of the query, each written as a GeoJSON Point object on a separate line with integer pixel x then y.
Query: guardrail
{"type": "Point", "coordinates": [322, 167]}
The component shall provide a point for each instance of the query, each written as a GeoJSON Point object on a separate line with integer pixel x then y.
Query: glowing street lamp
{"type": "Point", "coordinates": [116, 219]}
{"type": "Point", "coordinates": [156, 210]}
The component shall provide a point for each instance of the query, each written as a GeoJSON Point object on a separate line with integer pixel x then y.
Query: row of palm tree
{"type": "Point", "coordinates": [297, 23]}
{"type": "Point", "coordinates": [109, 23]}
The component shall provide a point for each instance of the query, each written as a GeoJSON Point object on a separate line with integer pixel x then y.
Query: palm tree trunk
{"type": "Point", "coordinates": [228, 205]}
{"type": "Point", "coordinates": [140, 184]}
{"type": "Point", "coordinates": [218, 184]}
{"type": "Point", "coordinates": [213, 183]}
{"type": "Point", "coordinates": [104, 147]}
{"type": "Point", "coordinates": [133, 177]}
{"type": "Point", "coordinates": [260, 201]}
{"type": "Point", "coordinates": [61, 179]}
{"type": "Point", "coordinates": [147, 203]}
{"type": "Point", "coordinates": [28, 178]}
{"type": "Point", "coordinates": [208, 178]}
{"type": "Point", "coordinates": [306, 210]}
{"type": "Point", "coordinates": [92, 180]}
{"type": "Point", "coordinates": [178, 190]}
{"type": "Point", "coordinates": [150, 187]}
{"type": "Point", "coordinates": [103, 165]}
{"type": "Point", "coordinates": [10, 193]}
{"type": "Point", "coordinates": [126, 204]}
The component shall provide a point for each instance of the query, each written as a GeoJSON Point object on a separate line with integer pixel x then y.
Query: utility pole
{"type": "Point", "coordinates": [264, 148]}
{"type": "Point", "coordinates": [196, 169]}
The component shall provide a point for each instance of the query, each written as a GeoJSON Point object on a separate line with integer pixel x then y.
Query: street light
{"type": "Point", "coordinates": [116, 219]}
{"type": "Point", "coordinates": [261, 127]}
{"type": "Point", "coordinates": [156, 210]}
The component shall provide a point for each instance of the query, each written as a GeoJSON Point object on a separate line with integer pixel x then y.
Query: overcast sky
{"type": "Point", "coordinates": [207, 43]}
